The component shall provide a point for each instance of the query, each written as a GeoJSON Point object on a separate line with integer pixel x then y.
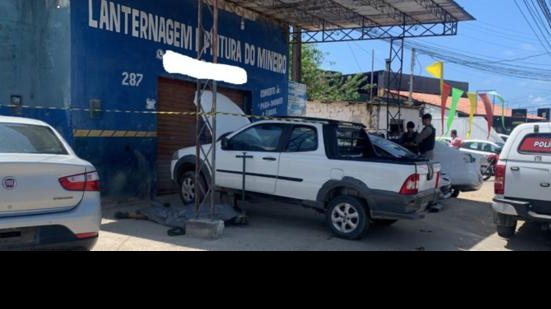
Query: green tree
{"type": "Point", "coordinates": [326, 85]}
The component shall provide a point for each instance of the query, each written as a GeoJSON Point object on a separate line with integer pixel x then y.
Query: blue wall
{"type": "Point", "coordinates": [35, 59]}
{"type": "Point", "coordinates": [106, 43]}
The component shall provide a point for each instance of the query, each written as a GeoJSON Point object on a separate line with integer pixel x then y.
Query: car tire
{"type": "Point", "coordinates": [347, 217]}
{"type": "Point", "coordinates": [187, 187]}
{"type": "Point", "coordinates": [385, 222]}
{"type": "Point", "coordinates": [506, 231]}
{"type": "Point", "coordinates": [455, 193]}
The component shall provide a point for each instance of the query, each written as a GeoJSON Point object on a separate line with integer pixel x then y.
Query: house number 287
{"type": "Point", "coordinates": [132, 79]}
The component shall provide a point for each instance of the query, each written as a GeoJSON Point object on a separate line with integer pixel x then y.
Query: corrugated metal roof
{"type": "Point", "coordinates": [316, 15]}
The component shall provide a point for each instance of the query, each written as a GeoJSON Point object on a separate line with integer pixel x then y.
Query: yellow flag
{"type": "Point", "coordinates": [436, 69]}
{"type": "Point", "coordinates": [474, 102]}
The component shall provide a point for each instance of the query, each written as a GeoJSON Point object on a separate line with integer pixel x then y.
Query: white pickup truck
{"type": "Point", "coordinates": [328, 165]}
{"type": "Point", "coordinates": [523, 179]}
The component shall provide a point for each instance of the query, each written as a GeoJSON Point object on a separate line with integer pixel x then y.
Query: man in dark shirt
{"type": "Point", "coordinates": [427, 138]}
{"type": "Point", "coordinates": [408, 138]}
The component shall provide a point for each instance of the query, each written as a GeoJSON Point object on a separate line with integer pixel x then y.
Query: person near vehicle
{"type": "Point", "coordinates": [455, 142]}
{"type": "Point", "coordinates": [427, 138]}
{"type": "Point", "coordinates": [408, 138]}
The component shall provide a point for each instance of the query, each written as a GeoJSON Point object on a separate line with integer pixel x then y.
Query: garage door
{"type": "Point", "coordinates": [175, 132]}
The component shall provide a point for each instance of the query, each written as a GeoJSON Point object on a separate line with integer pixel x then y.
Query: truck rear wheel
{"type": "Point", "coordinates": [347, 217]}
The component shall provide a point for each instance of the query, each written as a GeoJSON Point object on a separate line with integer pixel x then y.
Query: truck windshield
{"type": "Point", "coordinates": [386, 148]}
{"type": "Point", "coordinates": [353, 142]}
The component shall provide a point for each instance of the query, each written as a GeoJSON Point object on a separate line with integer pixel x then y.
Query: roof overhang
{"type": "Point", "coordinates": [345, 20]}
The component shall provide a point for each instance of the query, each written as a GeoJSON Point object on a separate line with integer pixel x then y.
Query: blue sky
{"type": "Point", "coordinates": [499, 32]}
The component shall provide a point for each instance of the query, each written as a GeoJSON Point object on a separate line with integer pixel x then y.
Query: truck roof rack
{"type": "Point", "coordinates": [322, 120]}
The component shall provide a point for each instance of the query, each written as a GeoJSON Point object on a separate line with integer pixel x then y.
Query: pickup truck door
{"type": "Point", "coordinates": [528, 169]}
{"type": "Point", "coordinates": [262, 144]}
{"type": "Point", "coordinates": [300, 176]}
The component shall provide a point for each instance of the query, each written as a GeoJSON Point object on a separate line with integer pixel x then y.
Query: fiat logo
{"type": "Point", "coordinates": [9, 183]}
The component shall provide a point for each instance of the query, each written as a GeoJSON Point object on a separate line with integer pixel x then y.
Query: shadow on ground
{"type": "Point", "coordinates": [462, 225]}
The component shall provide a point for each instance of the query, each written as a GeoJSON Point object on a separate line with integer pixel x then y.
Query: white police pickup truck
{"type": "Point", "coordinates": [323, 164]}
{"type": "Point", "coordinates": [523, 179]}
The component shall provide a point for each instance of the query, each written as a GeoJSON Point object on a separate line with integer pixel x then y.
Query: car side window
{"type": "Point", "coordinates": [488, 148]}
{"type": "Point", "coordinates": [303, 138]}
{"type": "Point", "coordinates": [472, 146]}
{"type": "Point", "coordinates": [264, 137]}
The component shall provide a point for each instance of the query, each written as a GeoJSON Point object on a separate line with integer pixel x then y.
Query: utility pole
{"type": "Point", "coordinates": [371, 80]}
{"type": "Point", "coordinates": [411, 75]}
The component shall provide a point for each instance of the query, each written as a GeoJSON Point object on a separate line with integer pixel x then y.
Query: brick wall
{"type": "Point", "coordinates": [355, 112]}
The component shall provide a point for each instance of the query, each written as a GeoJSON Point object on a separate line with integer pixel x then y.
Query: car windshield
{"type": "Point", "coordinates": [32, 139]}
{"type": "Point", "coordinates": [387, 148]}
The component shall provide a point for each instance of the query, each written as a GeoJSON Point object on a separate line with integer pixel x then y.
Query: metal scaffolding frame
{"type": "Point", "coordinates": [320, 21]}
{"type": "Point", "coordinates": [394, 75]}
{"type": "Point", "coordinates": [205, 187]}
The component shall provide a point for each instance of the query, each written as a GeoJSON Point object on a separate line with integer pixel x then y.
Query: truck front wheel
{"type": "Point", "coordinates": [347, 217]}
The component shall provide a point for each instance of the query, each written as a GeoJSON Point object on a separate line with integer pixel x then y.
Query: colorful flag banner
{"type": "Point", "coordinates": [445, 94]}
{"type": "Point", "coordinates": [456, 96]}
{"type": "Point", "coordinates": [474, 104]}
{"type": "Point", "coordinates": [436, 69]}
{"type": "Point", "coordinates": [502, 100]}
{"type": "Point", "coordinates": [489, 112]}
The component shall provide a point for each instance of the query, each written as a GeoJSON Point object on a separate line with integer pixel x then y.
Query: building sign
{"type": "Point", "coordinates": [297, 99]}
{"type": "Point", "coordinates": [117, 49]}
{"type": "Point", "coordinates": [130, 21]}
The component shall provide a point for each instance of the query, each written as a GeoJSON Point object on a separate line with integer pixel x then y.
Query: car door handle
{"type": "Point", "coordinates": [515, 168]}
{"type": "Point", "coordinates": [545, 185]}
{"type": "Point", "coordinates": [269, 159]}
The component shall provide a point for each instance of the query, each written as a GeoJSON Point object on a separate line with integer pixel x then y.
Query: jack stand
{"type": "Point", "coordinates": [241, 205]}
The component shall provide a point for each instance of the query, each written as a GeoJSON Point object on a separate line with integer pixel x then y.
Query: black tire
{"type": "Point", "coordinates": [187, 183]}
{"type": "Point", "coordinates": [385, 222]}
{"type": "Point", "coordinates": [487, 173]}
{"type": "Point", "coordinates": [455, 193]}
{"type": "Point", "coordinates": [506, 231]}
{"type": "Point", "coordinates": [356, 218]}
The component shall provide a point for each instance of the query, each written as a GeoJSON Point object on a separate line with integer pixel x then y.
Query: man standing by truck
{"type": "Point", "coordinates": [427, 138]}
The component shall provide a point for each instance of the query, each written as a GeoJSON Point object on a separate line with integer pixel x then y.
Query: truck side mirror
{"type": "Point", "coordinates": [225, 143]}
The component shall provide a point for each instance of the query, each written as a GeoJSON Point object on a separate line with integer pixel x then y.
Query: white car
{"type": "Point", "coordinates": [49, 198]}
{"type": "Point", "coordinates": [324, 164]}
{"type": "Point", "coordinates": [462, 168]}
{"type": "Point", "coordinates": [523, 179]}
{"type": "Point", "coordinates": [481, 148]}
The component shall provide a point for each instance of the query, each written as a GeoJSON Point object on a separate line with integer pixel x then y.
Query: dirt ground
{"type": "Point", "coordinates": [464, 224]}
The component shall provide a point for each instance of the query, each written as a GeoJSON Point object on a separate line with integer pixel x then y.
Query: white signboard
{"type": "Point", "coordinates": [297, 99]}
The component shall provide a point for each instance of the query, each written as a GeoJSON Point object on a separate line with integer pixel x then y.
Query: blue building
{"type": "Point", "coordinates": [61, 56]}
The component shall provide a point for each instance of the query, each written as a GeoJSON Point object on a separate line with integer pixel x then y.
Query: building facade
{"type": "Point", "coordinates": [71, 56]}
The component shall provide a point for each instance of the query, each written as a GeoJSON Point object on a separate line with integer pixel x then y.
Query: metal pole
{"type": "Point", "coordinates": [198, 163]}
{"type": "Point", "coordinates": [411, 75]}
{"type": "Point", "coordinates": [371, 80]}
{"type": "Point", "coordinates": [387, 65]}
{"type": "Point", "coordinates": [297, 54]}
{"type": "Point", "coordinates": [214, 43]}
